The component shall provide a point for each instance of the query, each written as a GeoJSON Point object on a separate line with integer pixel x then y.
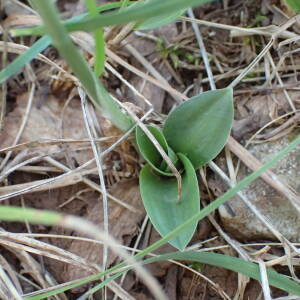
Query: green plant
{"type": "Point", "coordinates": [176, 54]}
{"type": "Point", "coordinates": [192, 135]}
{"type": "Point", "coordinates": [204, 125]}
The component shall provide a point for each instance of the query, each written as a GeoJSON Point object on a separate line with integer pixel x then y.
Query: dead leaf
{"type": "Point", "coordinates": [123, 225]}
{"type": "Point", "coordinates": [45, 122]}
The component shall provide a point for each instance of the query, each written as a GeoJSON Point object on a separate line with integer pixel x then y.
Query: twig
{"type": "Point", "coordinates": [203, 50]}
{"type": "Point", "coordinates": [9, 285]}
{"type": "Point", "coordinates": [264, 280]}
{"type": "Point", "coordinates": [89, 183]}
{"type": "Point", "coordinates": [240, 31]}
{"type": "Point", "coordinates": [96, 151]}
{"type": "Point", "coordinates": [150, 68]}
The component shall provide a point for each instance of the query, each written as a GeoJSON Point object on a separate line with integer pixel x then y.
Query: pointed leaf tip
{"type": "Point", "coordinates": [199, 128]}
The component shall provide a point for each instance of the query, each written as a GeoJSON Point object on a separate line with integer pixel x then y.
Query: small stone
{"type": "Point", "coordinates": [241, 222]}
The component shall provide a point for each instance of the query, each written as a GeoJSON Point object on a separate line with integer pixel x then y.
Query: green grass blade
{"type": "Point", "coordinates": [24, 58]}
{"type": "Point", "coordinates": [234, 264]}
{"type": "Point", "coordinates": [97, 93]}
{"type": "Point", "coordinates": [160, 20]}
{"type": "Point", "coordinates": [99, 51]}
{"type": "Point", "coordinates": [18, 214]}
{"type": "Point", "coordinates": [140, 12]}
{"type": "Point", "coordinates": [41, 45]}
{"type": "Point", "coordinates": [99, 40]}
{"type": "Point", "coordinates": [78, 284]}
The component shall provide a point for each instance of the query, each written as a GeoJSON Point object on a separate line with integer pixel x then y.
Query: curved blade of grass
{"type": "Point", "coordinates": [41, 45]}
{"type": "Point", "coordinates": [24, 58]}
{"type": "Point", "coordinates": [84, 281]}
{"type": "Point", "coordinates": [140, 12]}
{"type": "Point", "coordinates": [18, 214]}
{"type": "Point", "coordinates": [97, 93]}
{"type": "Point", "coordinates": [235, 264]}
{"type": "Point", "coordinates": [160, 198]}
{"type": "Point", "coordinates": [160, 20]}
{"type": "Point", "coordinates": [99, 40]}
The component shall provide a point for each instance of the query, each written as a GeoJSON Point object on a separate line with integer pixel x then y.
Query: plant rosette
{"type": "Point", "coordinates": [193, 134]}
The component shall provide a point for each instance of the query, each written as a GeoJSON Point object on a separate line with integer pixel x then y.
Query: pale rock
{"type": "Point", "coordinates": [241, 223]}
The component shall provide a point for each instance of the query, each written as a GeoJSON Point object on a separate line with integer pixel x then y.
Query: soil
{"type": "Point", "coordinates": [55, 137]}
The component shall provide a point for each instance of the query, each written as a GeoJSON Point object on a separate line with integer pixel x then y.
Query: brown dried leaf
{"type": "Point", "coordinates": [123, 225]}
{"type": "Point", "coordinates": [44, 122]}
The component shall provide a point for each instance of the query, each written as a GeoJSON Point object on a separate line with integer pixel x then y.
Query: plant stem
{"type": "Point", "coordinates": [97, 93]}
{"type": "Point", "coordinates": [99, 40]}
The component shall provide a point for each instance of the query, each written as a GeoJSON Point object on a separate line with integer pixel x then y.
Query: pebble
{"type": "Point", "coordinates": [241, 223]}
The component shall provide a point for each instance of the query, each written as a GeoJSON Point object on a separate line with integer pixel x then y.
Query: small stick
{"type": "Point", "coordinates": [203, 50]}
{"type": "Point", "coordinates": [96, 151]}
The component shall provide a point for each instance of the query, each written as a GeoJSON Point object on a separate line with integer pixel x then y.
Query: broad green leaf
{"type": "Point", "coordinates": [294, 5]}
{"type": "Point", "coordinates": [160, 198]}
{"type": "Point", "coordinates": [146, 147]}
{"type": "Point", "coordinates": [149, 151]}
{"type": "Point", "coordinates": [199, 128]}
{"type": "Point", "coordinates": [160, 20]}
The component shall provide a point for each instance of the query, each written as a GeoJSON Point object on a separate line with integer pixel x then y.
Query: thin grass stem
{"type": "Point", "coordinates": [97, 93]}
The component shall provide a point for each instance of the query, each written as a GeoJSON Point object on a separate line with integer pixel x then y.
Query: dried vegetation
{"type": "Point", "coordinates": [44, 145]}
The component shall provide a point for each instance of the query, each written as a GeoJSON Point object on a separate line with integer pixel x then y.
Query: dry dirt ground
{"type": "Point", "coordinates": [43, 136]}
